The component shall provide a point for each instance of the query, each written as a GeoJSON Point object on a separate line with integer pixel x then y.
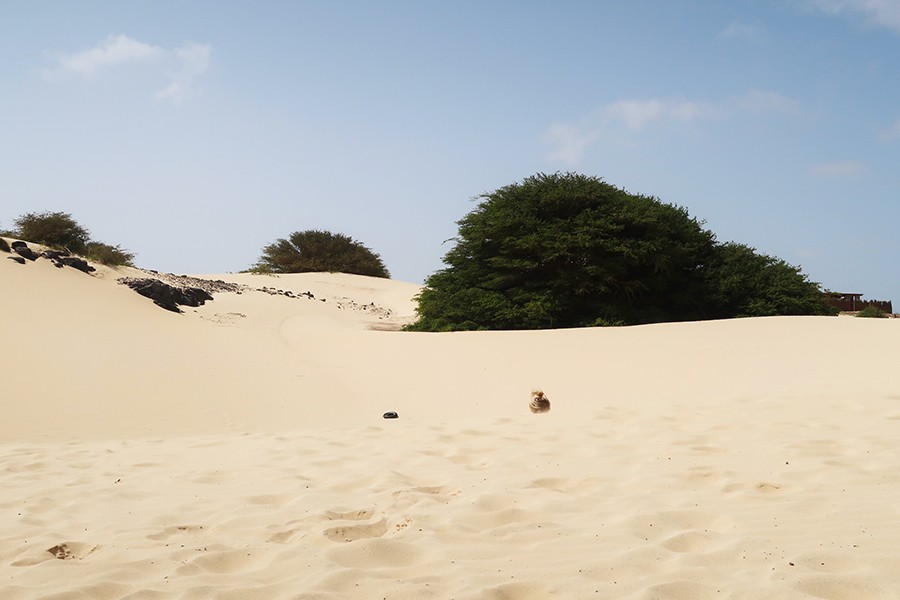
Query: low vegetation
{"type": "Point", "coordinates": [60, 231]}
{"type": "Point", "coordinates": [314, 250]}
{"type": "Point", "coordinates": [872, 312]}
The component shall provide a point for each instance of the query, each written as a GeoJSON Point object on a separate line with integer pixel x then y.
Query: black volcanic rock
{"type": "Point", "coordinates": [74, 262]}
{"type": "Point", "coordinates": [18, 259]}
{"type": "Point", "coordinates": [22, 249]}
{"type": "Point", "coordinates": [4, 246]}
{"type": "Point", "coordinates": [168, 296]}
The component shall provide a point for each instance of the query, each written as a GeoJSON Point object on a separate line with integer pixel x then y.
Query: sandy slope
{"type": "Point", "coordinates": [238, 451]}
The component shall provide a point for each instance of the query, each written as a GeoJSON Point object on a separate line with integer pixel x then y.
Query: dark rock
{"type": "Point", "coordinates": [18, 259]}
{"type": "Point", "coordinates": [54, 254]}
{"type": "Point", "coordinates": [390, 415]}
{"type": "Point", "coordinates": [22, 249]}
{"type": "Point", "coordinates": [4, 246]}
{"type": "Point", "coordinates": [168, 296]}
{"type": "Point", "coordinates": [76, 263]}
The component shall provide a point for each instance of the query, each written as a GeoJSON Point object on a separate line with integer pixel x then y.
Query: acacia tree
{"type": "Point", "coordinates": [54, 229]}
{"type": "Point", "coordinates": [314, 250]}
{"type": "Point", "coordinates": [567, 250]}
{"type": "Point", "coordinates": [59, 230]}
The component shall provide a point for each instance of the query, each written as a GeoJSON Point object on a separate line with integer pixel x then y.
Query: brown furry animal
{"type": "Point", "coordinates": [539, 402]}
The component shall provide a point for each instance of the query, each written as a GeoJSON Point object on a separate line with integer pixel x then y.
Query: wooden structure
{"type": "Point", "coordinates": [854, 302]}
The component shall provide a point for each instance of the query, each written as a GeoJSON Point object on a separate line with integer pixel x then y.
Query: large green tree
{"type": "Point", "coordinates": [320, 251]}
{"type": "Point", "coordinates": [568, 250]}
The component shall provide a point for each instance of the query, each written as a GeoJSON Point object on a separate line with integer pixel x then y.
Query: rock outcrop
{"type": "Point", "coordinates": [22, 249]}
{"type": "Point", "coordinates": [167, 296]}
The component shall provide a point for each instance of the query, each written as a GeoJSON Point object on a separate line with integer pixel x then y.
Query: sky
{"type": "Point", "coordinates": [193, 133]}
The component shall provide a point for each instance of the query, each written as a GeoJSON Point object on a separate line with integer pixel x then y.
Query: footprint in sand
{"type": "Point", "coordinates": [61, 551]}
{"type": "Point", "coordinates": [351, 533]}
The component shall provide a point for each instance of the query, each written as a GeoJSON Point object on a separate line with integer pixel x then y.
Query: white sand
{"type": "Point", "coordinates": [239, 451]}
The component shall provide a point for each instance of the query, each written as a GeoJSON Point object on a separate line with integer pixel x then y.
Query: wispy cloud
{"type": "Point", "coordinates": [114, 51]}
{"type": "Point", "coordinates": [737, 30]}
{"type": "Point", "coordinates": [837, 169]}
{"type": "Point", "coordinates": [883, 13]}
{"type": "Point", "coordinates": [637, 114]}
{"type": "Point", "coordinates": [179, 66]}
{"type": "Point", "coordinates": [192, 61]}
{"type": "Point", "coordinates": [568, 142]}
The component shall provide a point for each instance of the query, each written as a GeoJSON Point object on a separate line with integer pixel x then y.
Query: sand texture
{"type": "Point", "coordinates": [238, 450]}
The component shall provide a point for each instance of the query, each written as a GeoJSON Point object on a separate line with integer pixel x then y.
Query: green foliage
{"type": "Point", "coordinates": [55, 229]}
{"type": "Point", "coordinates": [743, 283]}
{"type": "Point", "coordinates": [105, 254]}
{"type": "Point", "coordinates": [872, 312]}
{"type": "Point", "coordinates": [59, 230]}
{"type": "Point", "coordinates": [320, 251]}
{"type": "Point", "coordinates": [567, 250]}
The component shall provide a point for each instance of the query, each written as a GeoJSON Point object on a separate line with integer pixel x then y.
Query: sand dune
{"type": "Point", "coordinates": [238, 450]}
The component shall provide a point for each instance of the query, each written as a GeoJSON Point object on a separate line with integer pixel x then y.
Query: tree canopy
{"type": "Point", "coordinates": [314, 250]}
{"type": "Point", "coordinates": [55, 229]}
{"type": "Point", "coordinates": [59, 230]}
{"type": "Point", "coordinates": [569, 250]}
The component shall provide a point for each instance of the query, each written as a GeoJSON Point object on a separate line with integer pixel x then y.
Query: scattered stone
{"type": "Point", "coordinates": [54, 254]}
{"type": "Point", "coordinates": [391, 415]}
{"type": "Point", "coordinates": [18, 259]}
{"type": "Point", "coordinates": [4, 245]}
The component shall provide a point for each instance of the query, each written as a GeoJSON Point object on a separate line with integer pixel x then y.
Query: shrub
{"type": "Point", "coordinates": [55, 229]}
{"type": "Point", "coordinates": [872, 312]}
{"type": "Point", "coordinates": [112, 256]}
{"type": "Point", "coordinates": [319, 251]}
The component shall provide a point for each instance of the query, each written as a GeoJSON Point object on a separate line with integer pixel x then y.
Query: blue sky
{"type": "Point", "coordinates": [194, 133]}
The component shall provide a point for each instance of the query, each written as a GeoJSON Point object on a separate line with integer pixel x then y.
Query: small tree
{"type": "Point", "coordinates": [111, 256]}
{"type": "Point", "coordinates": [320, 251]}
{"type": "Point", "coordinates": [54, 229]}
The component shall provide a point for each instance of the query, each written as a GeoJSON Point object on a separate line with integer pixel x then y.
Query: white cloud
{"type": "Point", "coordinates": [568, 142]}
{"type": "Point", "coordinates": [115, 50]}
{"type": "Point", "coordinates": [636, 114]}
{"type": "Point", "coordinates": [846, 168]}
{"type": "Point", "coordinates": [180, 66]}
{"type": "Point", "coordinates": [884, 13]}
{"type": "Point", "coordinates": [192, 61]}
